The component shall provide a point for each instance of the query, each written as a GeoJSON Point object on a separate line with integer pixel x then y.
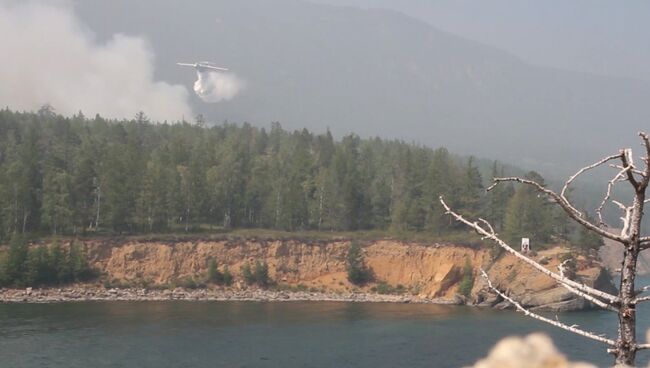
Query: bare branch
{"type": "Point", "coordinates": [488, 225]}
{"type": "Point", "coordinates": [610, 185]}
{"type": "Point", "coordinates": [598, 302]}
{"type": "Point", "coordinates": [567, 207]}
{"type": "Point", "coordinates": [559, 324]}
{"type": "Point", "coordinates": [586, 168]}
{"type": "Point", "coordinates": [641, 299]}
{"type": "Point", "coordinates": [561, 267]}
{"type": "Point", "coordinates": [564, 281]}
{"type": "Point", "coordinates": [646, 142]}
{"type": "Point", "coordinates": [645, 242]}
{"type": "Point", "coordinates": [627, 154]}
{"type": "Point", "coordinates": [628, 160]}
{"type": "Point", "coordinates": [626, 221]}
{"type": "Point", "coordinates": [636, 171]}
{"type": "Point", "coordinates": [492, 186]}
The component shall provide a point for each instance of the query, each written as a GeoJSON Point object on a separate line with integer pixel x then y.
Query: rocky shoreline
{"type": "Point", "coordinates": [85, 294]}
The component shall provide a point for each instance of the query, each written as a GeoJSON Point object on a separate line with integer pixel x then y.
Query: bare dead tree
{"type": "Point", "coordinates": [625, 346]}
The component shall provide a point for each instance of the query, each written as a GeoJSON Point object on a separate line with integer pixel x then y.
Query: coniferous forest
{"type": "Point", "coordinates": [79, 176]}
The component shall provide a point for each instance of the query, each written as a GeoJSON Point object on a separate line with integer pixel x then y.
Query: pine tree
{"type": "Point", "coordinates": [471, 190]}
{"type": "Point", "coordinates": [78, 264]}
{"type": "Point", "coordinates": [528, 215]}
{"type": "Point", "coordinates": [39, 267]}
{"type": "Point", "coordinates": [82, 183]}
{"type": "Point", "coordinates": [441, 181]}
{"type": "Point", "coordinates": [498, 200]}
{"type": "Point", "coordinates": [57, 211]}
{"type": "Point", "coordinates": [16, 262]}
{"type": "Point", "coordinates": [119, 204]}
{"type": "Point", "coordinates": [587, 240]}
{"type": "Point", "coordinates": [61, 263]}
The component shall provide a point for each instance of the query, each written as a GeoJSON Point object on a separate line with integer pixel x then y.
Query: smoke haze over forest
{"type": "Point", "coordinates": [364, 70]}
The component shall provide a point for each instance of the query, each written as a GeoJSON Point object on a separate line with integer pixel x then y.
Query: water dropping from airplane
{"type": "Point", "coordinates": [214, 83]}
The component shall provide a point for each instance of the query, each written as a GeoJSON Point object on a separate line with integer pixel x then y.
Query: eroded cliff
{"type": "Point", "coordinates": [424, 270]}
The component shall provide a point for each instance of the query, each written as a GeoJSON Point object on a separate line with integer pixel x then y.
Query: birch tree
{"type": "Point", "coordinates": [625, 346]}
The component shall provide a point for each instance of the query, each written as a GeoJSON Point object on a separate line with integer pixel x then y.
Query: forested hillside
{"type": "Point", "coordinates": [77, 175]}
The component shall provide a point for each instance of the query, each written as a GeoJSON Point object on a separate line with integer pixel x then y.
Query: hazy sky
{"type": "Point", "coordinates": [598, 36]}
{"type": "Point", "coordinates": [363, 71]}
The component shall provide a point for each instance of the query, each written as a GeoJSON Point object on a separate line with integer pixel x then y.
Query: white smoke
{"type": "Point", "coordinates": [217, 86]}
{"type": "Point", "coordinates": [49, 59]}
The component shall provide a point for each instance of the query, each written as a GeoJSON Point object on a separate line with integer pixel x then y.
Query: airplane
{"type": "Point", "coordinates": [204, 84]}
{"type": "Point", "coordinates": [204, 66]}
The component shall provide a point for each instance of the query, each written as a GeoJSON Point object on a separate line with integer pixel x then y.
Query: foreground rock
{"type": "Point", "coordinates": [533, 351]}
{"type": "Point", "coordinates": [72, 294]}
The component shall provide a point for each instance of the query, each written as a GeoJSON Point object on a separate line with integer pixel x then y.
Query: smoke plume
{"type": "Point", "coordinates": [217, 86]}
{"type": "Point", "coordinates": [48, 58]}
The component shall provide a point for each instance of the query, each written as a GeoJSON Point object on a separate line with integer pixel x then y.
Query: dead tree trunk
{"type": "Point", "coordinates": [624, 348]}
{"type": "Point", "coordinates": [625, 353]}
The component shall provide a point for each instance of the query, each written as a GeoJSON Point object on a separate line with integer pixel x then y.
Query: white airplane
{"type": "Point", "coordinates": [204, 66]}
{"type": "Point", "coordinates": [205, 83]}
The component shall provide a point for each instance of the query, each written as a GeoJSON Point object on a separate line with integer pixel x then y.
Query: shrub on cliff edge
{"type": "Point", "coordinates": [467, 282]}
{"type": "Point", "coordinates": [358, 273]}
{"type": "Point", "coordinates": [258, 275]}
{"type": "Point", "coordinates": [214, 275]}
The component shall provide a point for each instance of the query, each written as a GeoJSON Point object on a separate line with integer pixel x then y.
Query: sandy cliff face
{"type": "Point", "coordinates": [426, 270]}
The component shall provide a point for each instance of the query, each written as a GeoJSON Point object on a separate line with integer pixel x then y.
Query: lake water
{"type": "Point", "coordinates": [292, 334]}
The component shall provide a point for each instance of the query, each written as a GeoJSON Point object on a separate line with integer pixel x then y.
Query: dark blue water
{"type": "Point", "coordinates": [249, 334]}
{"type": "Point", "coordinates": [296, 334]}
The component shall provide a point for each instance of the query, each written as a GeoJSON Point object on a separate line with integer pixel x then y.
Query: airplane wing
{"type": "Point", "coordinates": [203, 65]}
{"type": "Point", "coordinates": [214, 68]}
